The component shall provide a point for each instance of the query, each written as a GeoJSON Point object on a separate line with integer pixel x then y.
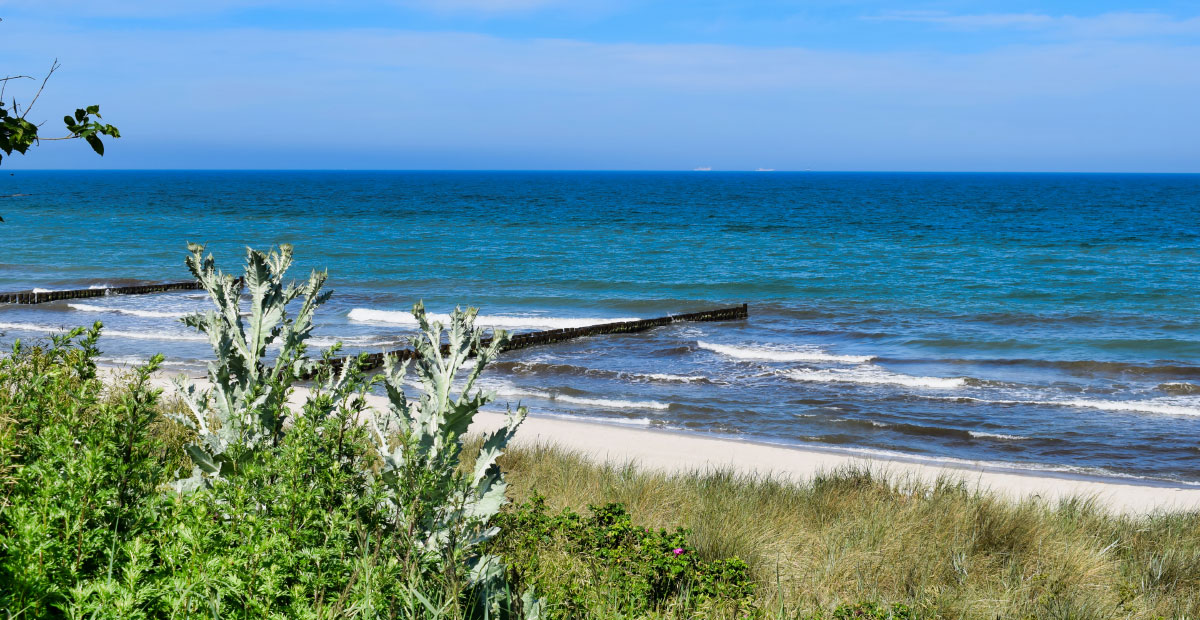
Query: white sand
{"type": "Point", "coordinates": [680, 452]}
{"type": "Point", "coordinates": [677, 452]}
{"type": "Point", "coordinates": [672, 451]}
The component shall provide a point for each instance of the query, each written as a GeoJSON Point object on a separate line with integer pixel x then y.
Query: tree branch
{"type": "Point", "coordinates": [53, 67]}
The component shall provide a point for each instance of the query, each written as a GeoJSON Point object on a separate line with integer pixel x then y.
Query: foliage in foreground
{"type": "Point", "coordinates": [323, 509]}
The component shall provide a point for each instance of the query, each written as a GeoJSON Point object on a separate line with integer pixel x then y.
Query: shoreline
{"type": "Point", "coordinates": [680, 452]}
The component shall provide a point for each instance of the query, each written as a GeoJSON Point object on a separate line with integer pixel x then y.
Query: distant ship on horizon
{"type": "Point", "coordinates": [702, 169]}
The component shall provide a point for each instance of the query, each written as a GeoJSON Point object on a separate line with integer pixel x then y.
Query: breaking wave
{"type": "Point", "coordinates": [1000, 436]}
{"type": "Point", "coordinates": [110, 333]}
{"type": "Point", "coordinates": [1163, 406]}
{"type": "Point", "coordinates": [873, 375]}
{"type": "Point", "coordinates": [782, 355]}
{"type": "Point", "coordinates": [543, 368]}
{"type": "Point", "coordinates": [608, 403]}
{"type": "Point", "coordinates": [367, 315]}
{"type": "Point", "coordinates": [150, 314]}
{"type": "Point", "coordinates": [356, 341]}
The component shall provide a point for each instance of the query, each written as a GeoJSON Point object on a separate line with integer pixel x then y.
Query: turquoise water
{"type": "Point", "coordinates": [1035, 321]}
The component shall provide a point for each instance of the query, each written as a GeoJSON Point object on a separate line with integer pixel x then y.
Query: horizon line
{"type": "Point", "coordinates": [601, 170]}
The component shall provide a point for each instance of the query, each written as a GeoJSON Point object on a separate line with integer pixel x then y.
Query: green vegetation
{"type": "Point", "coordinates": [17, 133]}
{"type": "Point", "coordinates": [229, 502]}
{"type": "Point", "coordinates": [322, 510]}
{"type": "Point", "coordinates": [942, 550]}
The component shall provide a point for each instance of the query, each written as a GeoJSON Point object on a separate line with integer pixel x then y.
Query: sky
{"type": "Point", "coordinates": [945, 85]}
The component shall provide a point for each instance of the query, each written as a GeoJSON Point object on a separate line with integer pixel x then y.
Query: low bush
{"type": "Point", "coordinates": [614, 565]}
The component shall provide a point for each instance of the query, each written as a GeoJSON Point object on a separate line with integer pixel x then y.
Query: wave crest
{"type": "Point", "coordinates": [544, 368]}
{"type": "Point", "coordinates": [1162, 406]}
{"type": "Point", "coordinates": [608, 403]}
{"type": "Point", "coordinates": [873, 375]}
{"type": "Point", "coordinates": [149, 314]}
{"type": "Point", "coordinates": [110, 333]}
{"type": "Point", "coordinates": [368, 315]}
{"type": "Point", "coordinates": [781, 355]}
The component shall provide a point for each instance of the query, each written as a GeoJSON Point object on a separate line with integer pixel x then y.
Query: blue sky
{"type": "Point", "coordinates": [618, 84]}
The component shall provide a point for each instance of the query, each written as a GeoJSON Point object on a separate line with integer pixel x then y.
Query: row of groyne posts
{"type": "Point", "coordinates": [41, 297]}
{"type": "Point", "coordinates": [375, 360]}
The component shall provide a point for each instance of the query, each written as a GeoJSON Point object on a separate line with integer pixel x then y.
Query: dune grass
{"type": "Point", "coordinates": [945, 550]}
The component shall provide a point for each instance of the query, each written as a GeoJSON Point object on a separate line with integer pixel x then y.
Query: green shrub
{"type": "Point", "coordinates": [82, 474]}
{"type": "Point", "coordinates": [639, 567]}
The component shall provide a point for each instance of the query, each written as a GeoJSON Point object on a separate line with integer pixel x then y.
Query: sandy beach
{"type": "Point", "coordinates": [675, 451]}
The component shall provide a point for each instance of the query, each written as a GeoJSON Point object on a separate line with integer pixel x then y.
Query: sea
{"type": "Point", "coordinates": [1046, 322]}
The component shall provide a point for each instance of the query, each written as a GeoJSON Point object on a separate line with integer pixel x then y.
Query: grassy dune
{"type": "Point", "coordinates": [944, 550]}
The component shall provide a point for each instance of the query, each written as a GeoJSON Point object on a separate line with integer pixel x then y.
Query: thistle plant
{"type": "Point", "coordinates": [244, 407]}
{"type": "Point", "coordinates": [418, 499]}
{"type": "Point", "coordinates": [445, 506]}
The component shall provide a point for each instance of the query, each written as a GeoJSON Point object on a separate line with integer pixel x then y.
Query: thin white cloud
{"type": "Point", "coordinates": [1107, 25]}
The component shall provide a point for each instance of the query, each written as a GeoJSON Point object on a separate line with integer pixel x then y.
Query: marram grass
{"type": "Point", "coordinates": [945, 550]}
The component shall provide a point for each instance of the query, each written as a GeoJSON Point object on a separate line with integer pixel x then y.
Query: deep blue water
{"type": "Point", "coordinates": [1046, 321]}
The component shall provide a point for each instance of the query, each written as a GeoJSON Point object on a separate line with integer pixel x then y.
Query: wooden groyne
{"type": "Point", "coordinates": [534, 339]}
{"type": "Point", "coordinates": [31, 297]}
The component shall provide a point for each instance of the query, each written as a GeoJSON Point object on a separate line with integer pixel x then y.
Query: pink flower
{"type": "Point", "coordinates": [678, 552]}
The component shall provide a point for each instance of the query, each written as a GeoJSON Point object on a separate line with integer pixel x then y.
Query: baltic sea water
{"type": "Point", "coordinates": [1045, 321]}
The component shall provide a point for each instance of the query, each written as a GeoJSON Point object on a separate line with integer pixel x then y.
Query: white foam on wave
{"type": "Point", "coordinates": [149, 314]}
{"type": "Point", "coordinates": [983, 435]}
{"type": "Point", "coordinates": [782, 355]}
{"type": "Point", "coordinates": [134, 360]}
{"type": "Point", "coordinates": [668, 378]}
{"type": "Point", "coordinates": [367, 315]}
{"type": "Point", "coordinates": [1163, 406]}
{"type": "Point", "coordinates": [125, 360]}
{"type": "Point", "coordinates": [355, 341]}
{"type": "Point", "coordinates": [116, 333]}
{"type": "Point", "coordinates": [641, 422]}
{"type": "Point", "coordinates": [110, 333]}
{"type": "Point", "coordinates": [611, 403]}
{"type": "Point", "coordinates": [31, 327]}
{"type": "Point", "coordinates": [873, 375]}
{"type": "Point", "coordinates": [608, 403]}
{"type": "Point", "coordinates": [44, 290]}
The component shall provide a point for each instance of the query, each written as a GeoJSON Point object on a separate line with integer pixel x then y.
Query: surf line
{"type": "Point", "coordinates": [36, 297]}
{"type": "Point", "coordinates": [552, 336]}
